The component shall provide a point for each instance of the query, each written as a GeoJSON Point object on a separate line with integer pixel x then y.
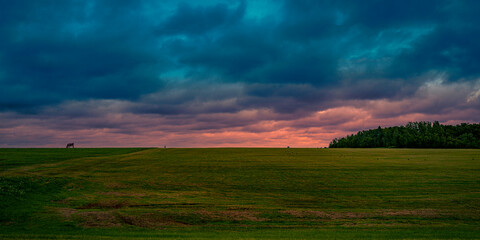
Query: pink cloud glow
{"type": "Point", "coordinates": [316, 130]}
{"type": "Point", "coordinates": [106, 125]}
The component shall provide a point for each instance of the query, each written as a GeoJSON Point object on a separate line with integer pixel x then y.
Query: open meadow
{"type": "Point", "coordinates": [240, 193]}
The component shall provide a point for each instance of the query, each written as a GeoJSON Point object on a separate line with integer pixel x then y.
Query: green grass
{"type": "Point", "coordinates": [240, 193]}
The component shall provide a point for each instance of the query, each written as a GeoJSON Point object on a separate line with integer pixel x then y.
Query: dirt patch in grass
{"type": "Point", "coordinates": [98, 219]}
{"type": "Point", "coordinates": [427, 213]}
{"type": "Point", "coordinates": [341, 215]}
{"type": "Point", "coordinates": [418, 212]}
{"type": "Point", "coordinates": [240, 207]}
{"type": "Point", "coordinates": [65, 201]}
{"type": "Point", "coordinates": [232, 215]}
{"type": "Point", "coordinates": [116, 185]}
{"type": "Point", "coordinates": [106, 204]}
{"type": "Point", "coordinates": [150, 220]}
{"type": "Point", "coordinates": [326, 215]}
{"type": "Point", "coordinates": [360, 224]}
{"type": "Point", "coordinates": [295, 213]}
{"type": "Point", "coordinates": [67, 212]}
{"type": "Point", "coordinates": [122, 194]}
{"type": "Point", "coordinates": [113, 218]}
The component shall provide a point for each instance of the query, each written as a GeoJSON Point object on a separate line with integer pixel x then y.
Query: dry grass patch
{"type": "Point", "coordinates": [116, 185]}
{"type": "Point", "coordinates": [425, 213]}
{"type": "Point", "coordinates": [325, 215]}
{"type": "Point", "coordinates": [98, 219]}
{"type": "Point", "coordinates": [150, 220]}
{"type": "Point", "coordinates": [122, 194]}
{"type": "Point", "coordinates": [105, 204]}
{"type": "Point", "coordinates": [231, 215]}
{"type": "Point", "coordinates": [67, 213]}
{"type": "Point", "coordinates": [379, 224]}
{"type": "Point", "coordinates": [240, 207]}
{"type": "Point", "coordinates": [107, 219]}
{"type": "Point", "coordinates": [65, 201]}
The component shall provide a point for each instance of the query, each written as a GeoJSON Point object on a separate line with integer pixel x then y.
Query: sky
{"type": "Point", "coordinates": [234, 73]}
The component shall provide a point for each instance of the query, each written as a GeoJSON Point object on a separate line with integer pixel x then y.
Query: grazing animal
{"type": "Point", "coordinates": [70, 145]}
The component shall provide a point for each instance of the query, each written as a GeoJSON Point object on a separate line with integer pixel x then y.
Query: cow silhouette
{"type": "Point", "coordinates": [70, 145]}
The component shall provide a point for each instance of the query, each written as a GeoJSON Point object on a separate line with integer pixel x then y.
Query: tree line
{"type": "Point", "coordinates": [414, 135]}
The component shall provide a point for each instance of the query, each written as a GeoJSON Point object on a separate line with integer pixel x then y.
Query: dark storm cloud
{"type": "Point", "coordinates": [449, 47]}
{"type": "Point", "coordinates": [199, 20]}
{"type": "Point", "coordinates": [453, 50]}
{"type": "Point", "coordinates": [377, 14]}
{"type": "Point", "coordinates": [190, 58]}
{"type": "Point", "coordinates": [75, 50]}
{"type": "Point", "coordinates": [235, 54]}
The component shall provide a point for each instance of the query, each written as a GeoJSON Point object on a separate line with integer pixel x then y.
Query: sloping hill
{"type": "Point", "coordinates": [244, 193]}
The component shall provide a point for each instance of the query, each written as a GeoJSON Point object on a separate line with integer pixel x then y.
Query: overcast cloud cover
{"type": "Point", "coordinates": [231, 73]}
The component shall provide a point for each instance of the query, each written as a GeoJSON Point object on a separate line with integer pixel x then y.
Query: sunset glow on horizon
{"type": "Point", "coordinates": [233, 73]}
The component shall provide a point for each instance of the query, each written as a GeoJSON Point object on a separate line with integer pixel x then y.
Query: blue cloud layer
{"type": "Point", "coordinates": [297, 58]}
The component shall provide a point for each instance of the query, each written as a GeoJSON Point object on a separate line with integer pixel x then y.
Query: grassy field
{"type": "Point", "coordinates": [239, 193]}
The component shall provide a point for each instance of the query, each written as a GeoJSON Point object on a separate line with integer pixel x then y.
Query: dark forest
{"type": "Point", "coordinates": [414, 135]}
